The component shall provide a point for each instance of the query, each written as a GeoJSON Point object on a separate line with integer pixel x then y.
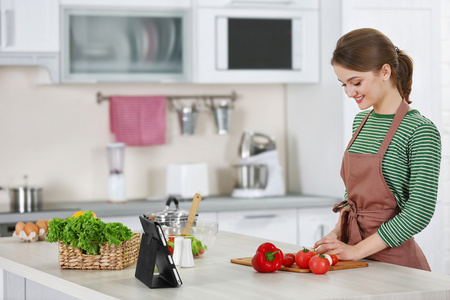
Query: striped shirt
{"type": "Point", "coordinates": [410, 168]}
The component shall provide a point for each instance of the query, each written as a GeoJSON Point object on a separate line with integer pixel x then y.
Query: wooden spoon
{"type": "Point", "coordinates": [192, 212]}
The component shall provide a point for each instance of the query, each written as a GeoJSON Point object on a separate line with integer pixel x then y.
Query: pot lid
{"type": "Point", "coordinates": [170, 214]}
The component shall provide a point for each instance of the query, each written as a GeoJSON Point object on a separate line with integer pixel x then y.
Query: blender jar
{"type": "Point", "coordinates": [116, 179]}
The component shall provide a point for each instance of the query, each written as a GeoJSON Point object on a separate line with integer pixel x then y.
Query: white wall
{"type": "Point", "coordinates": [57, 134]}
{"type": "Point", "coordinates": [445, 132]}
{"type": "Point", "coordinates": [314, 113]}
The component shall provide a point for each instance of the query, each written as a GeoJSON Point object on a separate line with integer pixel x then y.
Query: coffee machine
{"type": "Point", "coordinates": [259, 173]}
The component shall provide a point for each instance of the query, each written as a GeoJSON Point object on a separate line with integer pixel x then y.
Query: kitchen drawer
{"type": "Point", "coordinates": [278, 225]}
{"type": "Point", "coordinates": [314, 224]}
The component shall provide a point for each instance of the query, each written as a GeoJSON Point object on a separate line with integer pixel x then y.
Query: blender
{"type": "Point", "coordinates": [116, 179]}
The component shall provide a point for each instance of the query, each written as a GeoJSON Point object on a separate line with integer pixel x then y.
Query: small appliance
{"type": "Point", "coordinates": [116, 179]}
{"type": "Point", "coordinates": [259, 173]}
{"type": "Point", "coordinates": [185, 179]}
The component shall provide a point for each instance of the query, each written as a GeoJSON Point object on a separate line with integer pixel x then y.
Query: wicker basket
{"type": "Point", "coordinates": [110, 258]}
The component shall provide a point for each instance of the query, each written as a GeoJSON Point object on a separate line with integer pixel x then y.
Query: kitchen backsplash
{"type": "Point", "coordinates": [57, 135]}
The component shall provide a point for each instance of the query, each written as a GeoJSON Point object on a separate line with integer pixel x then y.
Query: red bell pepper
{"type": "Point", "coordinates": [268, 258]}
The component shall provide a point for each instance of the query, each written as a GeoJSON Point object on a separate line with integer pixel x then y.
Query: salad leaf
{"type": "Point", "coordinates": [116, 232]}
{"type": "Point", "coordinates": [87, 232]}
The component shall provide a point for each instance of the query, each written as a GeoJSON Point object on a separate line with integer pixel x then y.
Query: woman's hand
{"type": "Point", "coordinates": [331, 245]}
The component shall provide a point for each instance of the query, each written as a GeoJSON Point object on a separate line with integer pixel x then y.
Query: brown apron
{"type": "Point", "coordinates": [371, 202]}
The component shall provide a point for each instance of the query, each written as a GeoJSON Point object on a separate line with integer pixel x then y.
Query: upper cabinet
{"type": "Point", "coordinates": [227, 41]}
{"type": "Point", "coordinates": [117, 45]}
{"type": "Point", "coordinates": [29, 26]}
{"type": "Point", "coordinates": [29, 34]}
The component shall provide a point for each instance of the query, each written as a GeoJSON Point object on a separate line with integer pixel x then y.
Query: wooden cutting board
{"type": "Point", "coordinates": [343, 264]}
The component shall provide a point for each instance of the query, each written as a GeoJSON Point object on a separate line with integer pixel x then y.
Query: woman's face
{"type": "Point", "coordinates": [366, 88]}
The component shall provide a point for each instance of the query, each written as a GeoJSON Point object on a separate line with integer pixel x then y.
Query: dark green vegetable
{"type": "Point", "coordinates": [87, 232]}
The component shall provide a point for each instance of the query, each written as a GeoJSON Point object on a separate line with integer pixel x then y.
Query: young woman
{"type": "Point", "coordinates": [391, 165]}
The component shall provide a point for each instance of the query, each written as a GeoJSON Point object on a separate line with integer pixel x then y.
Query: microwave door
{"type": "Point", "coordinates": [258, 44]}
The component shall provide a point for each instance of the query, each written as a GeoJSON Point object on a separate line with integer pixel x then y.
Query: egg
{"type": "Point", "coordinates": [31, 227]}
{"type": "Point", "coordinates": [19, 227]}
{"type": "Point", "coordinates": [41, 224]}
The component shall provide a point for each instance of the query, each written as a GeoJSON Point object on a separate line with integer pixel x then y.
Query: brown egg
{"type": "Point", "coordinates": [42, 224]}
{"type": "Point", "coordinates": [19, 227]}
{"type": "Point", "coordinates": [31, 227]}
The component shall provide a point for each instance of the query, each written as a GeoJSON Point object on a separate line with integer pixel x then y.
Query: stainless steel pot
{"type": "Point", "coordinates": [171, 217]}
{"type": "Point", "coordinates": [24, 198]}
{"type": "Point", "coordinates": [252, 176]}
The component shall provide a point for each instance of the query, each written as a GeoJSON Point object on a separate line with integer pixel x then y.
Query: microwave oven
{"type": "Point", "coordinates": [239, 44]}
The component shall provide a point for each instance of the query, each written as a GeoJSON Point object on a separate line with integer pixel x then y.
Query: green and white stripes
{"type": "Point", "coordinates": [410, 168]}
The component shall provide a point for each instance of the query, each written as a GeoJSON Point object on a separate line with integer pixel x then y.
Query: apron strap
{"type": "Point", "coordinates": [358, 130]}
{"type": "Point", "coordinates": [399, 115]}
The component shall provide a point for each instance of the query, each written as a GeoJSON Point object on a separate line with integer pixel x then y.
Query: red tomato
{"type": "Point", "coordinates": [319, 264]}
{"type": "Point", "coordinates": [334, 258]}
{"type": "Point", "coordinates": [288, 259]}
{"type": "Point", "coordinates": [302, 258]}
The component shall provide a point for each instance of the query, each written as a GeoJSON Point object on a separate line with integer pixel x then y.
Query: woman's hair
{"type": "Point", "coordinates": [367, 49]}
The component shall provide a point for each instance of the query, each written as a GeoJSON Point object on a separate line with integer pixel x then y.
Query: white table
{"type": "Point", "coordinates": [213, 277]}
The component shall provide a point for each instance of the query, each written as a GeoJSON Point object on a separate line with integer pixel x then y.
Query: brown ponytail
{"type": "Point", "coordinates": [367, 49]}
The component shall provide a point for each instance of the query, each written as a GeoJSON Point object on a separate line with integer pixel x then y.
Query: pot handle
{"type": "Point", "coordinates": [171, 198]}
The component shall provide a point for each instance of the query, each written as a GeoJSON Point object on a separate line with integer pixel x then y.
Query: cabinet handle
{"type": "Point", "coordinates": [260, 216]}
{"type": "Point", "coordinates": [9, 27]}
{"type": "Point", "coordinates": [249, 2]}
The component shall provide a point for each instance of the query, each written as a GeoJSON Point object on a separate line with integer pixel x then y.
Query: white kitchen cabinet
{"type": "Point", "coordinates": [134, 223]}
{"type": "Point", "coordinates": [314, 224]}
{"type": "Point", "coordinates": [29, 26]}
{"type": "Point", "coordinates": [208, 216]}
{"type": "Point", "coordinates": [278, 225]}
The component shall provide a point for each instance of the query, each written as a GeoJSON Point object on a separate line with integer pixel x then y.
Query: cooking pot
{"type": "Point", "coordinates": [24, 198]}
{"type": "Point", "coordinates": [172, 217]}
{"type": "Point", "coordinates": [251, 176]}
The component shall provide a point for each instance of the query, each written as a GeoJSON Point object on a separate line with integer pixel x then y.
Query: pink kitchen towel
{"type": "Point", "coordinates": [138, 120]}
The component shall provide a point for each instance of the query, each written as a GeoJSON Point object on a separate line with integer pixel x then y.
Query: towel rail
{"type": "Point", "coordinates": [232, 97]}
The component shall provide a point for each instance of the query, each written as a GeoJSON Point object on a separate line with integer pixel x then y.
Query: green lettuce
{"type": "Point", "coordinates": [87, 232]}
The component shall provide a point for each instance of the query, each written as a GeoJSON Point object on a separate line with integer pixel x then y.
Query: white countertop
{"type": "Point", "coordinates": [214, 277]}
{"type": "Point", "coordinates": [139, 207]}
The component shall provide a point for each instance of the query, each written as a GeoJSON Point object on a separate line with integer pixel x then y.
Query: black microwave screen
{"type": "Point", "coordinates": [259, 44]}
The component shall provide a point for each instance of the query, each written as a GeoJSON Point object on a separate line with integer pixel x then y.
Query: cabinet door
{"type": "Point", "coordinates": [207, 216]}
{"type": "Point", "coordinates": [314, 224]}
{"type": "Point", "coordinates": [113, 45]}
{"type": "Point", "coordinates": [412, 26]}
{"type": "Point", "coordinates": [29, 26]}
{"type": "Point", "coordinates": [132, 222]}
{"type": "Point", "coordinates": [276, 225]}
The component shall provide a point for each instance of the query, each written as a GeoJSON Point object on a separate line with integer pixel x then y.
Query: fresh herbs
{"type": "Point", "coordinates": [87, 232]}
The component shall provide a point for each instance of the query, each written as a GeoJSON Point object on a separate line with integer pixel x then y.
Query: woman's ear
{"type": "Point", "coordinates": [386, 72]}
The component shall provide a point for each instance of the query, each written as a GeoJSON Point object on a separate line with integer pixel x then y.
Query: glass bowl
{"type": "Point", "coordinates": [203, 234]}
